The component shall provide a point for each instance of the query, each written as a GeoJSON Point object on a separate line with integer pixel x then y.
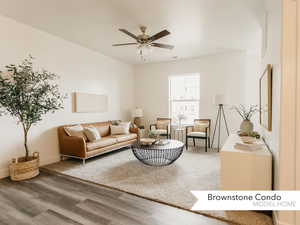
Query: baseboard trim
{"type": "Point", "coordinates": [4, 172]}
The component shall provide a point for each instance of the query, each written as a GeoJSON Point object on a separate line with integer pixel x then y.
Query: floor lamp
{"type": "Point", "coordinates": [219, 100]}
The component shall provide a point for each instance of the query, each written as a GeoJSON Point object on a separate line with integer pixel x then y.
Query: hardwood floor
{"type": "Point", "coordinates": [58, 200]}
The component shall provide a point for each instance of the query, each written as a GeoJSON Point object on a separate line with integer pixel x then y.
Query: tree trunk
{"type": "Point", "coordinates": [25, 144]}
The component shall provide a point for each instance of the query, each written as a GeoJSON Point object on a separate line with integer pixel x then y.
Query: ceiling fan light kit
{"type": "Point", "coordinates": [145, 43]}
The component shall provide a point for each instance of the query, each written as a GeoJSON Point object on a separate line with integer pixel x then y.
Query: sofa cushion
{"type": "Point", "coordinates": [103, 142]}
{"type": "Point", "coordinates": [92, 133]}
{"type": "Point", "coordinates": [122, 128]}
{"type": "Point", "coordinates": [125, 137]}
{"type": "Point", "coordinates": [103, 130]}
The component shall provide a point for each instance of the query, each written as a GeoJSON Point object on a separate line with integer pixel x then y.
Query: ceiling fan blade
{"type": "Point", "coordinates": [162, 45]}
{"type": "Point", "coordinates": [159, 35]}
{"type": "Point", "coordinates": [128, 33]}
{"type": "Point", "coordinates": [124, 44]}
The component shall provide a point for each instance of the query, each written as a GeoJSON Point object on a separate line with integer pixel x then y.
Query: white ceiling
{"type": "Point", "coordinates": [198, 27]}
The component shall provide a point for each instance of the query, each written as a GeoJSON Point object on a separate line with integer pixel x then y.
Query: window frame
{"type": "Point", "coordinates": [183, 100]}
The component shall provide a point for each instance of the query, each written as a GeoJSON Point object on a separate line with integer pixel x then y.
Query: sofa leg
{"type": "Point", "coordinates": [83, 162]}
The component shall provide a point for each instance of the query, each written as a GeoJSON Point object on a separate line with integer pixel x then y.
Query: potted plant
{"type": "Point", "coordinates": [246, 114]}
{"type": "Point", "coordinates": [27, 95]}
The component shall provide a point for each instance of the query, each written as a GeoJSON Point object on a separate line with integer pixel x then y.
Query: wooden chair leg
{"type": "Point", "coordinates": [194, 142]}
{"type": "Point", "coordinates": [205, 144]}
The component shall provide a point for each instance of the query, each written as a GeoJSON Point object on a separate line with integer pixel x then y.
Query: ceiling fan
{"type": "Point", "coordinates": [145, 41]}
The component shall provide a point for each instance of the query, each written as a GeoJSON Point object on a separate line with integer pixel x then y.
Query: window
{"type": "Point", "coordinates": [184, 96]}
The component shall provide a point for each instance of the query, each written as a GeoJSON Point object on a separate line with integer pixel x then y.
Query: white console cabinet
{"type": "Point", "coordinates": [243, 169]}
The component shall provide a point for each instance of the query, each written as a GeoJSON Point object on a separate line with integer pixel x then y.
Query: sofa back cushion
{"type": "Point", "coordinates": [76, 130]}
{"type": "Point", "coordinates": [102, 127]}
{"type": "Point", "coordinates": [122, 128]}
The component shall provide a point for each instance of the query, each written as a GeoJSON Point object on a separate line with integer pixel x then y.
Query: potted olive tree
{"type": "Point", "coordinates": [27, 95]}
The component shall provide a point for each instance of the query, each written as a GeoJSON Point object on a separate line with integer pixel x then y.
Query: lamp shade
{"type": "Point", "coordinates": [137, 112]}
{"type": "Point", "coordinates": [220, 100]}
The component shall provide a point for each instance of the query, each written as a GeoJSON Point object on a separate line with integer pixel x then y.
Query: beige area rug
{"type": "Point", "coordinates": [194, 170]}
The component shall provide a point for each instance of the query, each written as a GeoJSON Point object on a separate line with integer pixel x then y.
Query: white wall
{"type": "Point", "coordinates": [219, 74]}
{"type": "Point", "coordinates": [271, 56]}
{"type": "Point", "coordinates": [80, 69]}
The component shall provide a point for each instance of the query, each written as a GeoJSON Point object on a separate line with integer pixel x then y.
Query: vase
{"type": "Point", "coordinates": [246, 126]}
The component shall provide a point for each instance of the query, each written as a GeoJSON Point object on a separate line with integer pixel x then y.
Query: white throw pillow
{"type": "Point", "coordinates": [92, 133]}
{"type": "Point", "coordinates": [76, 131]}
{"type": "Point", "coordinates": [122, 128]}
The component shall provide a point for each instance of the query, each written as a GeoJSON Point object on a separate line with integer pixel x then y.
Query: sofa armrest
{"type": "Point", "coordinates": [74, 146]}
{"type": "Point", "coordinates": [135, 130]}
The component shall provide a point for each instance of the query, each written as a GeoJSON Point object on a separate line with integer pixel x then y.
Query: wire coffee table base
{"type": "Point", "coordinates": [158, 155]}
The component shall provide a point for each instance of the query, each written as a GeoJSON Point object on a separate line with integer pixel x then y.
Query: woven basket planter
{"type": "Point", "coordinates": [19, 169]}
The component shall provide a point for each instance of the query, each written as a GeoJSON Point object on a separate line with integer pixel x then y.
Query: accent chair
{"type": "Point", "coordinates": [200, 130]}
{"type": "Point", "coordinates": [162, 127]}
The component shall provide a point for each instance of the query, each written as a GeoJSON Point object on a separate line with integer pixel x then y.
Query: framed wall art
{"type": "Point", "coordinates": [265, 98]}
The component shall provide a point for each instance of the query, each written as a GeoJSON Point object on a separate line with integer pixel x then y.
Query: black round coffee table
{"type": "Point", "coordinates": [158, 155]}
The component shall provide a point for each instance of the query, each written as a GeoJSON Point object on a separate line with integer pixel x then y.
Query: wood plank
{"type": "Point", "coordinates": [51, 199]}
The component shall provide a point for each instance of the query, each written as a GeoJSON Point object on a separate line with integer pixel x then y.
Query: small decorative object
{"type": "Point", "coordinates": [248, 139]}
{"type": "Point", "coordinates": [265, 98]}
{"type": "Point", "coordinates": [250, 134]}
{"type": "Point", "coordinates": [180, 117]}
{"type": "Point", "coordinates": [246, 125]}
{"type": "Point", "coordinates": [248, 147]}
{"type": "Point", "coordinates": [154, 135]}
{"type": "Point", "coordinates": [137, 115]}
{"type": "Point", "coordinates": [147, 141]}
{"type": "Point", "coordinates": [162, 142]}
{"type": "Point", "coordinates": [27, 95]}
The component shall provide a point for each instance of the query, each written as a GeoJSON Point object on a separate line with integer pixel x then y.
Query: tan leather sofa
{"type": "Point", "coordinates": [77, 147]}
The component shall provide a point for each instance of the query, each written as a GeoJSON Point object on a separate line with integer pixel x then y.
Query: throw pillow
{"type": "Point", "coordinates": [122, 128]}
{"type": "Point", "coordinates": [126, 126]}
{"type": "Point", "coordinates": [162, 124]}
{"type": "Point", "coordinates": [76, 131]}
{"type": "Point", "coordinates": [92, 133]}
{"type": "Point", "coordinates": [116, 122]}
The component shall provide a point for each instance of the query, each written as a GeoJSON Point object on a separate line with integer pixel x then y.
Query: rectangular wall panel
{"type": "Point", "coordinates": [90, 103]}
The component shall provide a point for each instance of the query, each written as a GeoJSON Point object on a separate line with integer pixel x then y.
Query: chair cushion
{"type": "Point", "coordinates": [125, 137]}
{"type": "Point", "coordinates": [159, 131]}
{"type": "Point", "coordinates": [103, 142]}
{"type": "Point", "coordinates": [196, 134]}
